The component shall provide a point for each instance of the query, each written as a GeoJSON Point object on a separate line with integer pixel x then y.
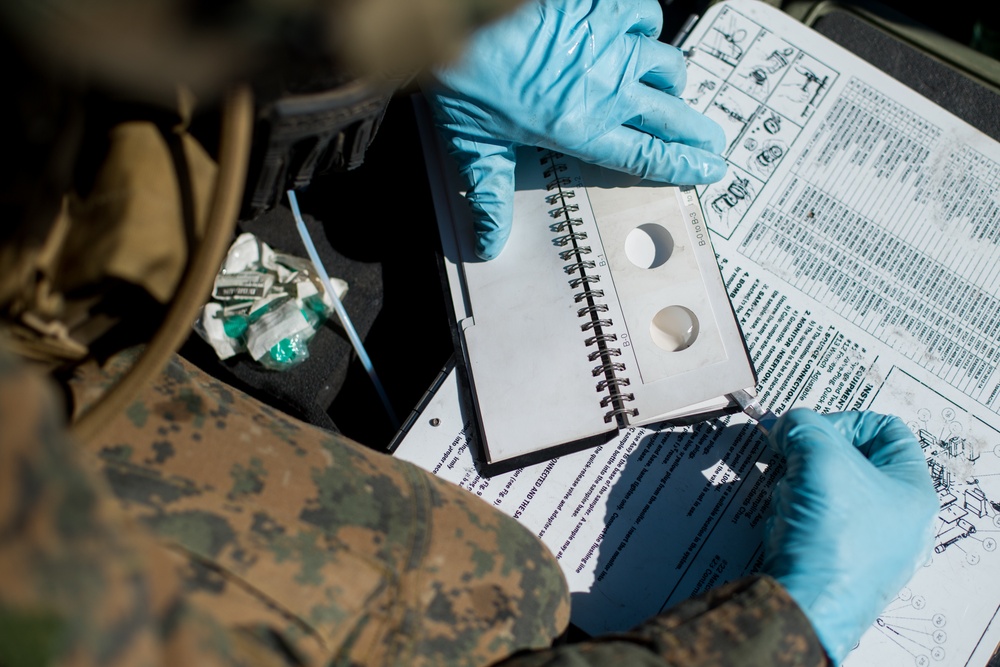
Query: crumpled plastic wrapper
{"type": "Point", "coordinates": [266, 304]}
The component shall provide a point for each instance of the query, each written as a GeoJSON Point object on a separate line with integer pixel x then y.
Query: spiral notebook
{"type": "Point", "coordinates": [606, 309]}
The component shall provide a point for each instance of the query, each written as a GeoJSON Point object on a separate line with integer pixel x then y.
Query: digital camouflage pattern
{"type": "Point", "coordinates": [751, 622]}
{"type": "Point", "coordinates": [282, 544]}
{"type": "Point", "coordinates": [347, 555]}
{"type": "Point", "coordinates": [78, 584]}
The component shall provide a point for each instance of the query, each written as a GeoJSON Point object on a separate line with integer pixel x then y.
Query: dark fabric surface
{"type": "Point", "coordinates": [942, 84]}
{"type": "Point", "coordinates": [375, 228]}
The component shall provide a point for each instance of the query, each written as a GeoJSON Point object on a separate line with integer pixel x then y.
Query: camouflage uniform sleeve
{"type": "Point", "coordinates": [80, 584]}
{"type": "Point", "coordinates": [336, 552]}
{"type": "Point", "coordinates": [750, 622]}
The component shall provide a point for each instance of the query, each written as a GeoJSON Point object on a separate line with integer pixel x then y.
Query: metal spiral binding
{"type": "Point", "coordinates": [565, 225]}
{"type": "Point", "coordinates": [553, 170]}
{"type": "Point", "coordinates": [580, 266]}
{"type": "Point", "coordinates": [560, 196]}
{"type": "Point", "coordinates": [592, 294]}
{"type": "Point", "coordinates": [607, 367]}
{"type": "Point", "coordinates": [569, 238]}
{"type": "Point", "coordinates": [613, 382]}
{"type": "Point", "coordinates": [584, 280]}
{"type": "Point", "coordinates": [576, 253]}
{"type": "Point", "coordinates": [603, 338]}
{"type": "Point", "coordinates": [607, 400]}
{"type": "Point", "coordinates": [592, 308]}
{"type": "Point", "coordinates": [603, 353]}
{"type": "Point", "coordinates": [624, 412]}
{"type": "Point", "coordinates": [558, 185]}
{"type": "Point", "coordinates": [593, 324]}
{"type": "Point", "coordinates": [561, 211]}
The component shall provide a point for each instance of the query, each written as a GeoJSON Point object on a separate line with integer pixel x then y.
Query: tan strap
{"type": "Point", "coordinates": [234, 154]}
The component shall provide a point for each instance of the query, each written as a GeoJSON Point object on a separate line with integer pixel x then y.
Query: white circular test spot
{"type": "Point", "coordinates": [674, 328]}
{"type": "Point", "coordinates": [649, 245]}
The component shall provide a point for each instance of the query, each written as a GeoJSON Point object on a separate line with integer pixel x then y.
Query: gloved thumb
{"type": "Point", "coordinates": [487, 171]}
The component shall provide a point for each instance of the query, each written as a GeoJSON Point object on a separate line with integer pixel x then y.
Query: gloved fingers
{"type": "Point", "coordinates": [641, 154]}
{"type": "Point", "coordinates": [659, 65]}
{"type": "Point", "coordinates": [800, 430]}
{"type": "Point", "coordinates": [885, 441]}
{"type": "Point", "coordinates": [787, 547]}
{"type": "Point", "coordinates": [643, 17]}
{"type": "Point", "coordinates": [873, 444]}
{"type": "Point", "coordinates": [813, 478]}
{"type": "Point", "coordinates": [818, 456]}
{"type": "Point", "coordinates": [671, 119]}
{"type": "Point", "coordinates": [487, 171]}
{"type": "Point", "coordinates": [847, 532]}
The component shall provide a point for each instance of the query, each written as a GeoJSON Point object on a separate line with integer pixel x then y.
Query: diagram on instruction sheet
{"type": "Point", "coordinates": [907, 623]}
{"type": "Point", "coordinates": [951, 458]}
{"type": "Point", "coordinates": [963, 458]}
{"type": "Point", "coordinates": [761, 89]}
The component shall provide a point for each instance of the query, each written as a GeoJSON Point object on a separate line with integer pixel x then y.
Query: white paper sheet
{"type": "Point", "coordinates": [857, 231]}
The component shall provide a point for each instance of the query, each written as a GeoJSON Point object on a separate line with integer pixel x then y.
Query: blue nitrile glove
{"type": "Point", "coordinates": [853, 518]}
{"type": "Point", "coordinates": [583, 77]}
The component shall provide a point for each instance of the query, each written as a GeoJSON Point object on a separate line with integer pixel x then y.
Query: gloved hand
{"type": "Point", "coordinates": [853, 518]}
{"type": "Point", "coordinates": [585, 78]}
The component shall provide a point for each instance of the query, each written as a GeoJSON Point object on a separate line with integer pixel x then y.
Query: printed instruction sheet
{"type": "Point", "coordinates": [857, 231]}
